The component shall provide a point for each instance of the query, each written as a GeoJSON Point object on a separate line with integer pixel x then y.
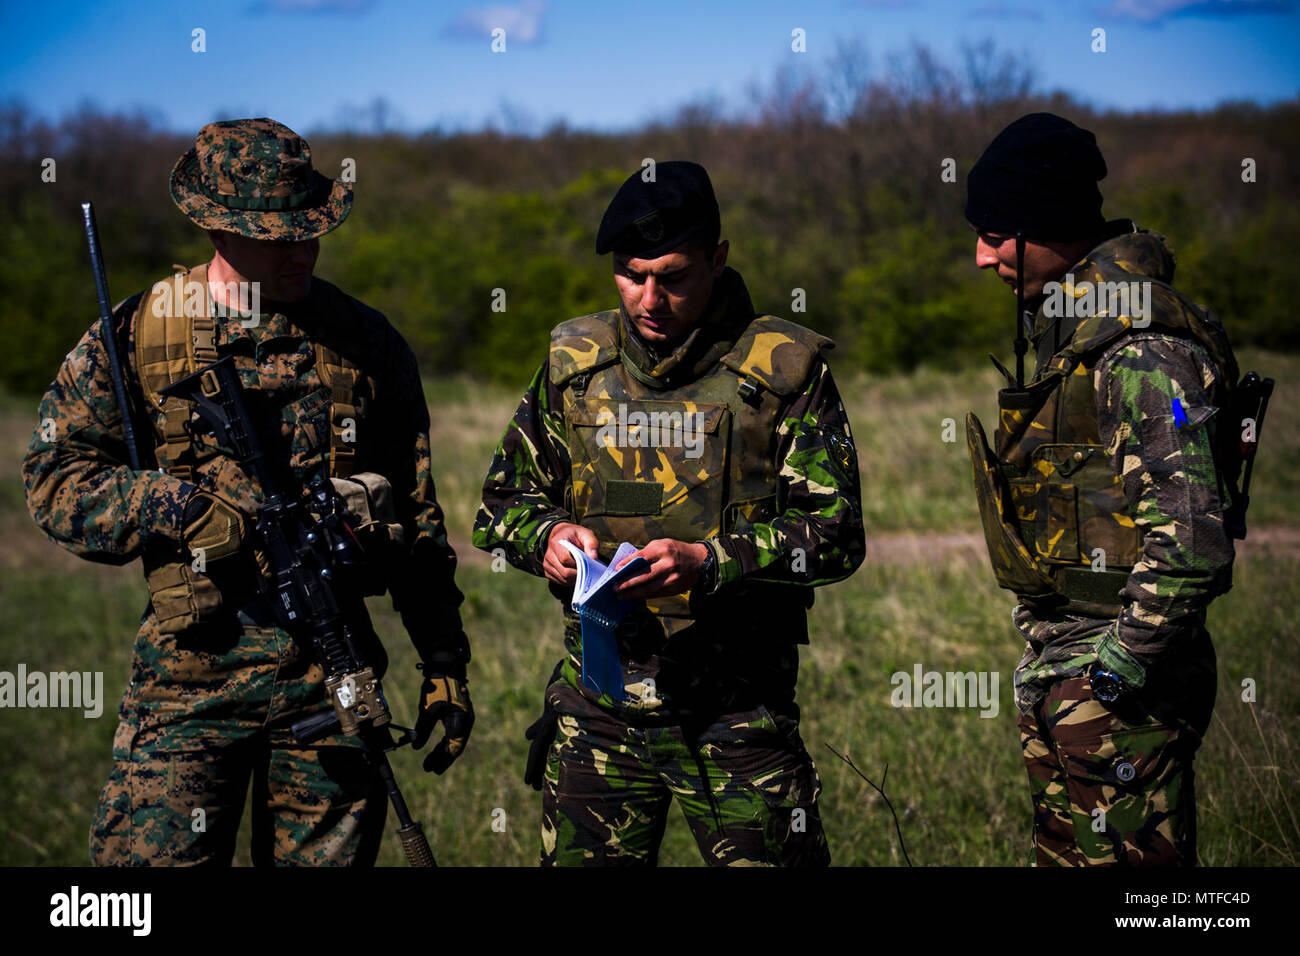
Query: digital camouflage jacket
{"type": "Point", "coordinates": [84, 496]}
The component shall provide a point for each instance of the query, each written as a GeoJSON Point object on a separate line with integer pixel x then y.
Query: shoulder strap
{"type": "Point", "coordinates": [174, 335]}
{"type": "Point", "coordinates": [582, 345]}
{"type": "Point", "coordinates": [1206, 327]}
{"type": "Point", "coordinates": [776, 354]}
{"type": "Point", "coordinates": [1175, 314]}
{"type": "Point", "coordinates": [341, 376]}
{"type": "Point", "coordinates": [345, 379]}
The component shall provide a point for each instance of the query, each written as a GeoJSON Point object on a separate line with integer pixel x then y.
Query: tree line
{"type": "Point", "coordinates": [832, 185]}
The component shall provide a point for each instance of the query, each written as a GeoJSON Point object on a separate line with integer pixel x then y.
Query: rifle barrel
{"type": "Point", "coordinates": [110, 334]}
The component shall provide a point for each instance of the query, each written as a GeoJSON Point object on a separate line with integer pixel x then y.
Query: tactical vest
{"type": "Point", "coordinates": [170, 343]}
{"type": "Point", "coordinates": [1048, 496]}
{"type": "Point", "coordinates": [689, 462]}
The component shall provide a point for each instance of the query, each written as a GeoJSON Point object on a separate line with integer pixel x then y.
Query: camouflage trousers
{"type": "Point", "coordinates": [1112, 786]}
{"type": "Point", "coordinates": [746, 785]}
{"type": "Point", "coordinates": [208, 711]}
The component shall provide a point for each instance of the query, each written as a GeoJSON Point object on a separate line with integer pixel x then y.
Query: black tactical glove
{"type": "Point", "coordinates": [443, 699]}
{"type": "Point", "coordinates": [542, 734]}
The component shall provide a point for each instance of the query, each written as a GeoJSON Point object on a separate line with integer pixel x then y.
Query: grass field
{"type": "Point", "coordinates": [925, 596]}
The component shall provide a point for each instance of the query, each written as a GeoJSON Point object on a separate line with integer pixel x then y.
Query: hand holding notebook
{"type": "Point", "coordinates": [600, 610]}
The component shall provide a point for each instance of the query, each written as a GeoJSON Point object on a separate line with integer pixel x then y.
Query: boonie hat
{"type": "Point", "coordinates": [254, 177]}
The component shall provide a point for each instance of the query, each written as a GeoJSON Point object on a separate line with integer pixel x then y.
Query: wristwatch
{"type": "Point", "coordinates": [1107, 686]}
{"type": "Point", "coordinates": [708, 572]}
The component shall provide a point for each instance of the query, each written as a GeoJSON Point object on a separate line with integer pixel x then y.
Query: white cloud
{"type": "Point", "coordinates": [522, 22]}
{"type": "Point", "coordinates": [1152, 11]}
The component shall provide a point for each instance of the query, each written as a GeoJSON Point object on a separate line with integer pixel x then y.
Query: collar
{"type": "Point", "coordinates": [729, 311]}
{"type": "Point", "coordinates": [277, 320]}
{"type": "Point", "coordinates": [1124, 251]}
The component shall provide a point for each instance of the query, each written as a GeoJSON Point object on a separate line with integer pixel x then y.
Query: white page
{"type": "Point", "coordinates": [592, 574]}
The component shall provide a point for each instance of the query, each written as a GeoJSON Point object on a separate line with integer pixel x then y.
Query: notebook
{"type": "Point", "coordinates": [600, 610]}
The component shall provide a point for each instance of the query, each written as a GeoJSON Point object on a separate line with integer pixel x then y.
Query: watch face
{"type": "Point", "coordinates": [1106, 686]}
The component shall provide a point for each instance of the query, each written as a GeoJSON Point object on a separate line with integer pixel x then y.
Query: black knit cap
{"type": "Point", "coordinates": [1040, 174]}
{"type": "Point", "coordinates": [648, 219]}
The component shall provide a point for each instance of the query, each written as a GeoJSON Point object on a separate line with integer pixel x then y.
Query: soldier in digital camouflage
{"type": "Point", "coordinates": [714, 440]}
{"type": "Point", "coordinates": [332, 386]}
{"type": "Point", "coordinates": [1103, 501]}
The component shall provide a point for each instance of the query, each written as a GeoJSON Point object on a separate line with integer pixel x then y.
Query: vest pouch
{"type": "Point", "coordinates": [1015, 568]}
{"type": "Point", "coordinates": [1058, 537]}
{"type": "Point", "coordinates": [310, 435]}
{"type": "Point", "coordinates": [1097, 508]}
{"type": "Point", "coordinates": [1046, 516]}
{"type": "Point", "coordinates": [646, 469]}
{"type": "Point", "coordinates": [1017, 411]}
{"type": "Point", "coordinates": [181, 597]}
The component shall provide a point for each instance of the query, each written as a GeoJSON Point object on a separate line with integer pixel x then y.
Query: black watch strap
{"type": "Point", "coordinates": [709, 571]}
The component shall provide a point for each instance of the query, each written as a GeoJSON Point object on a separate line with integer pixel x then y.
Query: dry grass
{"type": "Point", "coordinates": [955, 778]}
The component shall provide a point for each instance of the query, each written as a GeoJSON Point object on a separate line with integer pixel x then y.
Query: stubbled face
{"type": "Point", "coordinates": [1044, 261]}
{"type": "Point", "coordinates": [283, 269]}
{"type": "Point", "coordinates": [665, 297]}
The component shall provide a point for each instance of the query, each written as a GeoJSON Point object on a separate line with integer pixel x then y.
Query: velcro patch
{"type": "Point", "coordinates": [633, 497]}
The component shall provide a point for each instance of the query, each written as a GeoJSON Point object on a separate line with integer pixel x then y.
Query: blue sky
{"type": "Point", "coordinates": [604, 65]}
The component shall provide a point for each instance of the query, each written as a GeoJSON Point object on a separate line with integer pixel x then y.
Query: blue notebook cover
{"type": "Point", "coordinates": [600, 610]}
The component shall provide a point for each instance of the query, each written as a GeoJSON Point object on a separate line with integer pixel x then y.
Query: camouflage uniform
{"type": "Point", "coordinates": [710, 678]}
{"type": "Point", "coordinates": [1113, 536]}
{"type": "Point", "coordinates": [209, 705]}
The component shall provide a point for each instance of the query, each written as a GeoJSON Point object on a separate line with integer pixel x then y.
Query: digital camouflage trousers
{"type": "Point", "coordinates": [1113, 785]}
{"type": "Point", "coordinates": [746, 785]}
{"type": "Point", "coordinates": [208, 711]}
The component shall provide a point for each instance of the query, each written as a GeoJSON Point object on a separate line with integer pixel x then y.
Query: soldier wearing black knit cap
{"type": "Point", "coordinates": [1108, 501]}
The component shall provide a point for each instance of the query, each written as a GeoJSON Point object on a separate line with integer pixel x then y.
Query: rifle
{"type": "Point", "coordinates": [315, 589]}
{"type": "Point", "coordinates": [110, 333]}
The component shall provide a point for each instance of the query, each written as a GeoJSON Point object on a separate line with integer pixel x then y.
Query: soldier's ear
{"type": "Point", "coordinates": [720, 257]}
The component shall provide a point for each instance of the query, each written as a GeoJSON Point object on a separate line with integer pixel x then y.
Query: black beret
{"type": "Point", "coordinates": [1040, 174]}
{"type": "Point", "coordinates": [648, 219]}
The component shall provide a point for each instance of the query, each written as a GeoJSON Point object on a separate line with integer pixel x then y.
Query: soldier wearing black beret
{"type": "Point", "coordinates": [712, 439]}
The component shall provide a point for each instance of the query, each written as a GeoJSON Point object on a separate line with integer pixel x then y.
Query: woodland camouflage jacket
{"type": "Point", "coordinates": [772, 487]}
{"type": "Point", "coordinates": [1171, 490]}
